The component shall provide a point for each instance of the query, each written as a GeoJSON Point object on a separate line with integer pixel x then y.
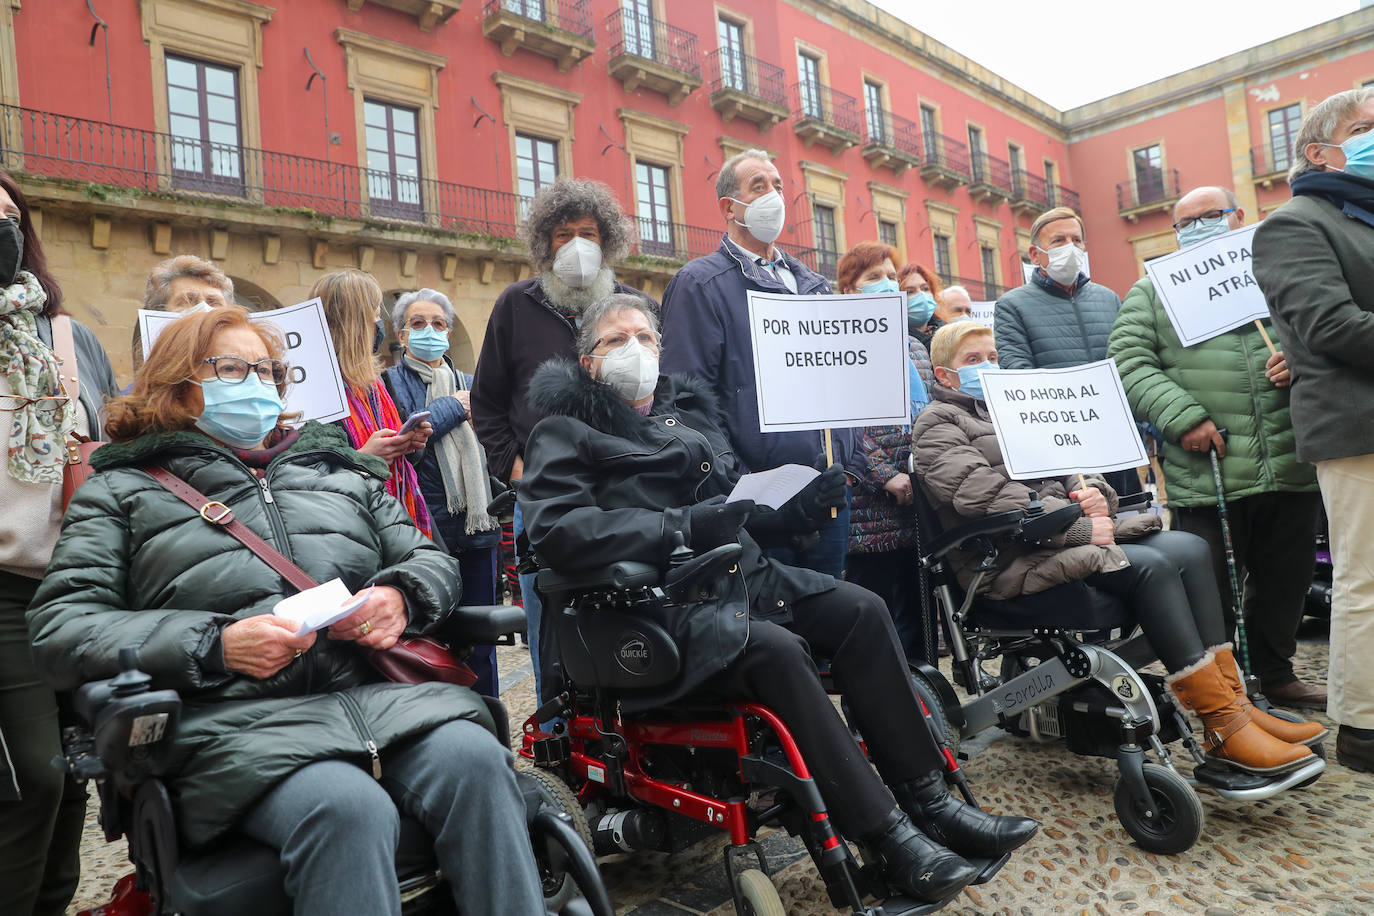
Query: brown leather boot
{"type": "Point", "coordinates": [1308, 733]}
{"type": "Point", "coordinates": [1231, 736]}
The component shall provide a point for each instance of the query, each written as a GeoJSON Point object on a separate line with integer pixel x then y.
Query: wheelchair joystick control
{"type": "Point", "coordinates": [681, 554]}
{"type": "Point", "coordinates": [1035, 506]}
{"type": "Point", "coordinates": [129, 680]}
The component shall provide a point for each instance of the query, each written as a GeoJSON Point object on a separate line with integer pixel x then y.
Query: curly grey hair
{"type": "Point", "coordinates": [406, 300]}
{"type": "Point", "coordinates": [569, 199]}
{"type": "Point", "coordinates": [603, 308]}
{"type": "Point", "coordinates": [159, 287]}
{"type": "Point", "coordinates": [1320, 125]}
{"type": "Point", "coordinates": [727, 182]}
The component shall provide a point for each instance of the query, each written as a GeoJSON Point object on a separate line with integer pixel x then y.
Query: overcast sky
{"type": "Point", "coordinates": [1071, 52]}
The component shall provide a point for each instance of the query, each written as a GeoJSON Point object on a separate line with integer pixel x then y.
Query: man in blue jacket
{"type": "Point", "coordinates": [706, 335]}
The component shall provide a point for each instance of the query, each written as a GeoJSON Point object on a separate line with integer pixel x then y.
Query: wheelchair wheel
{"type": "Point", "coordinates": [559, 886]}
{"type": "Point", "coordinates": [758, 893]}
{"type": "Point", "coordinates": [947, 730]}
{"type": "Point", "coordinates": [1178, 823]}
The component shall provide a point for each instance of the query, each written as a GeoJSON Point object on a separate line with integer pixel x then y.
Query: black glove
{"type": "Point", "coordinates": [821, 495]}
{"type": "Point", "coordinates": [715, 522]}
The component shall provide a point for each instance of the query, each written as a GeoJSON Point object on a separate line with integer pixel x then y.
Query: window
{"type": "Point", "coordinates": [530, 9]}
{"type": "Point", "coordinates": [733, 74]}
{"type": "Point", "coordinates": [873, 108]}
{"type": "Point", "coordinates": [1051, 184]}
{"type": "Point", "coordinates": [203, 119]}
{"type": "Point", "coordinates": [655, 209]}
{"type": "Point", "coordinates": [1148, 163]}
{"type": "Point", "coordinates": [928, 126]}
{"type": "Point", "coordinates": [536, 163]}
{"type": "Point", "coordinates": [827, 245]}
{"type": "Point", "coordinates": [1283, 129]}
{"type": "Point", "coordinates": [942, 256]}
{"type": "Point", "coordinates": [809, 77]}
{"type": "Point", "coordinates": [637, 25]}
{"type": "Point", "coordinates": [975, 150]}
{"type": "Point", "coordinates": [887, 233]}
{"type": "Point", "coordinates": [989, 258]}
{"type": "Point", "coordinates": [1017, 159]}
{"type": "Point", "coordinates": [393, 159]}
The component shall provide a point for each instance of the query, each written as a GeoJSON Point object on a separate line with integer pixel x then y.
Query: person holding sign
{"type": "Point", "coordinates": [706, 327]}
{"type": "Point", "coordinates": [1231, 381]}
{"type": "Point", "coordinates": [1164, 577]}
{"type": "Point", "coordinates": [352, 303]}
{"type": "Point", "coordinates": [1312, 260]}
{"type": "Point", "coordinates": [625, 460]}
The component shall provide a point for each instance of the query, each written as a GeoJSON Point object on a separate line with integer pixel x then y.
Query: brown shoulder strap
{"type": "Point", "coordinates": [64, 345]}
{"type": "Point", "coordinates": [217, 513]}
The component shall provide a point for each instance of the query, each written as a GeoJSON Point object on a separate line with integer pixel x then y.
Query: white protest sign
{"type": "Point", "coordinates": [1027, 271]}
{"type": "Point", "coordinates": [1053, 422]}
{"type": "Point", "coordinates": [316, 390]}
{"type": "Point", "coordinates": [829, 361]}
{"type": "Point", "coordinates": [1207, 289]}
{"type": "Point", "coordinates": [982, 312]}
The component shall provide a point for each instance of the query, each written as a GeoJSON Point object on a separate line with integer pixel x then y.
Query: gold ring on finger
{"type": "Point", "coordinates": [366, 627]}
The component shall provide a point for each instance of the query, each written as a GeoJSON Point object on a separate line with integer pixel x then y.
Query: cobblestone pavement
{"type": "Point", "coordinates": [1305, 852]}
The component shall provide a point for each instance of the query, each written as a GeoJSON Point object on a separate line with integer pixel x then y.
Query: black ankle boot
{"type": "Point", "coordinates": [916, 865]}
{"type": "Point", "coordinates": [967, 830]}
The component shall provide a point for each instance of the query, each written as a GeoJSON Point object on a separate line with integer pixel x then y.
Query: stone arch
{"type": "Point", "coordinates": [460, 348]}
{"type": "Point", "coordinates": [253, 297]}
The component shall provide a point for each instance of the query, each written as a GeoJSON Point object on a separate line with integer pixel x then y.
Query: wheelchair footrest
{"type": "Point", "coordinates": [550, 752]}
{"type": "Point", "coordinates": [1234, 785]}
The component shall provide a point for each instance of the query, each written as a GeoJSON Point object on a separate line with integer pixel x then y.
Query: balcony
{"type": "Point", "coordinates": [672, 241]}
{"type": "Point", "coordinates": [653, 54]}
{"type": "Point", "coordinates": [893, 141]}
{"type": "Point", "coordinates": [945, 163]}
{"type": "Point", "coordinates": [1149, 193]}
{"type": "Point", "coordinates": [427, 13]}
{"type": "Point", "coordinates": [978, 290]}
{"type": "Point", "coordinates": [821, 260]}
{"type": "Point", "coordinates": [825, 116]}
{"type": "Point", "coordinates": [746, 87]}
{"type": "Point", "coordinates": [991, 178]}
{"type": "Point", "coordinates": [561, 29]}
{"type": "Point", "coordinates": [1269, 164]}
{"type": "Point", "coordinates": [1032, 195]}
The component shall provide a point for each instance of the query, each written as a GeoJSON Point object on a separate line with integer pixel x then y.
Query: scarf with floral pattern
{"type": "Point", "coordinates": [37, 432]}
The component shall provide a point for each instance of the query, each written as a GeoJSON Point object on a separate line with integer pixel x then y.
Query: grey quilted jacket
{"type": "Point", "coordinates": [1041, 325]}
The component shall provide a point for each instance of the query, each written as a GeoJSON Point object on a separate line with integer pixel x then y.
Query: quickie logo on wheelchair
{"type": "Point", "coordinates": [633, 654]}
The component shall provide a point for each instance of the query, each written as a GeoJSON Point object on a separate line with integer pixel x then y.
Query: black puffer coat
{"type": "Point", "coordinates": [135, 566]}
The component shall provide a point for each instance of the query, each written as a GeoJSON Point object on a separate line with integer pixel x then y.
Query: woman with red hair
{"type": "Point", "coordinates": [922, 288]}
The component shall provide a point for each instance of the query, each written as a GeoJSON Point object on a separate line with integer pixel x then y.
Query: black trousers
{"type": "Point", "coordinates": [895, 577]}
{"type": "Point", "coordinates": [1170, 587]}
{"type": "Point", "coordinates": [851, 627]}
{"type": "Point", "coordinates": [1274, 537]}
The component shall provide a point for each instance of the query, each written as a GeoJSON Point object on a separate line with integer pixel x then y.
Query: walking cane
{"type": "Point", "coordinates": [1244, 653]}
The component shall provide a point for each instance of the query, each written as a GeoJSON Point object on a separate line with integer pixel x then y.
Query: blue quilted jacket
{"type": "Point", "coordinates": [1041, 325]}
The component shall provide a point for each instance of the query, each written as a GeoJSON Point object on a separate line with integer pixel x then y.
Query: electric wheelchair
{"type": "Point", "coordinates": [1068, 669]}
{"type": "Point", "coordinates": [663, 779]}
{"type": "Point", "coordinates": [124, 744]}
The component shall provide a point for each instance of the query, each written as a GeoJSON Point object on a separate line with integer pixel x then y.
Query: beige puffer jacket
{"type": "Point", "coordinates": [963, 475]}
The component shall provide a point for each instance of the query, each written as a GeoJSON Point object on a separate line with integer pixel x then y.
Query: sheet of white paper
{"type": "Point", "coordinates": [320, 607]}
{"type": "Point", "coordinates": [775, 487]}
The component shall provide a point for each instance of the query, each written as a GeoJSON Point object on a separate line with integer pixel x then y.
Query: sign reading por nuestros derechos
{"type": "Point", "coordinates": [829, 361]}
{"type": "Point", "coordinates": [1208, 288]}
{"type": "Point", "coordinates": [1052, 422]}
{"type": "Point", "coordinates": [316, 389]}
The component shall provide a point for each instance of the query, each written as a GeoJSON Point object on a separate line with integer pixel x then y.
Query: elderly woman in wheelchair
{"type": "Point", "coordinates": [287, 737]}
{"type": "Point", "coordinates": [627, 463]}
{"type": "Point", "coordinates": [1164, 577]}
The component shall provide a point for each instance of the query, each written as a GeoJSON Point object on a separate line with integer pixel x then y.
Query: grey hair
{"type": "Point", "coordinates": [603, 308]}
{"type": "Point", "coordinates": [406, 300]}
{"type": "Point", "coordinates": [955, 287]}
{"type": "Point", "coordinates": [727, 182]}
{"type": "Point", "coordinates": [567, 200]}
{"type": "Point", "coordinates": [1320, 125]}
{"type": "Point", "coordinates": [159, 288]}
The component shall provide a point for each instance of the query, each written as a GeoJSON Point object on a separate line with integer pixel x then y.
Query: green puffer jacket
{"type": "Point", "coordinates": [135, 566]}
{"type": "Point", "coordinates": [1222, 379]}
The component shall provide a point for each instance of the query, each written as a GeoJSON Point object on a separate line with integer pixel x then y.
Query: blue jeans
{"type": "Point", "coordinates": [534, 613]}
{"type": "Point", "coordinates": [829, 554]}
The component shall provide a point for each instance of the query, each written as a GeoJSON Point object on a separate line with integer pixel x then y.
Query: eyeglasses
{"type": "Point", "coordinates": [419, 324]}
{"type": "Point", "coordinates": [617, 339]}
{"type": "Point", "coordinates": [233, 370]}
{"type": "Point", "coordinates": [50, 404]}
{"type": "Point", "coordinates": [1209, 216]}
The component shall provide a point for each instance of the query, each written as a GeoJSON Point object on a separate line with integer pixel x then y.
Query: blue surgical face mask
{"type": "Point", "coordinates": [1203, 229]}
{"type": "Point", "coordinates": [427, 344]}
{"type": "Point", "coordinates": [1359, 155]}
{"type": "Point", "coordinates": [919, 307]}
{"type": "Point", "coordinates": [239, 414]}
{"type": "Point", "coordinates": [885, 285]}
{"type": "Point", "coordinates": [969, 382]}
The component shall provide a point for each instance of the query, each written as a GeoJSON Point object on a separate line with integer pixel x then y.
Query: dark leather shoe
{"type": "Point", "coordinates": [1356, 753]}
{"type": "Point", "coordinates": [1296, 695]}
{"type": "Point", "coordinates": [917, 865]}
{"type": "Point", "coordinates": [948, 820]}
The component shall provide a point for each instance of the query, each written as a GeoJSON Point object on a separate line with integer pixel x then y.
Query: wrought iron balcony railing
{"type": "Point", "coordinates": [729, 70]}
{"type": "Point", "coordinates": [573, 16]}
{"type": "Point", "coordinates": [814, 101]}
{"type": "Point", "coordinates": [1270, 159]}
{"type": "Point", "coordinates": [946, 153]}
{"type": "Point", "coordinates": [1035, 193]}
{"type": "Point", "coordinates": [892, 131]}
{"type": "Point", "coordinates": [1148, 189]}
{"type": "Point", "coordinates": [991, 172]}
{"type": "Point", "coordinates": [653, 40]}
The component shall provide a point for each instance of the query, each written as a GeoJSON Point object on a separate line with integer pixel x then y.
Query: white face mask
{"type": "Point", "coordinates": [631, 369]}
{"type": "Point", "coordinates": [1066, 263]}
{"type": "Point", "coordinates": [578, 262]}
{"type": "Point", "coordinates": [764, 217]}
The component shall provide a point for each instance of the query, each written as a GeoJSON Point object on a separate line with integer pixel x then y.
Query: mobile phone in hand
{"type": "Point", "coordinates": [413, 421]}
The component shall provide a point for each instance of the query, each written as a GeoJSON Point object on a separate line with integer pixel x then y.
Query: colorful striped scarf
{"type": "Point", "coordinates": [364, 419]}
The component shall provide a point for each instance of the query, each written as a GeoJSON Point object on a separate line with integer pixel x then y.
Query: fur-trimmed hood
{"type": "Point", "coordinates": [561, 387]}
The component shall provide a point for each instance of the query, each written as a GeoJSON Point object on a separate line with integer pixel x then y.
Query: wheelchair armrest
{"type": "Point", "coordinates": [131, 725]}
{"type": "Point", "coordinates": [483, 624]}
{"type": "Point", "coordinates": [1039, 527]}
{"type": "Point", "coordinates": [502, 505]}
{"type": "Point", "coordinates": [954, 538]}
{"type": "Point", "coordinates": [615, 577]}
{"type": "Point", "coordinates": [1136, 502]}
{"type": "Point", "coordinates": [686, 583]}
